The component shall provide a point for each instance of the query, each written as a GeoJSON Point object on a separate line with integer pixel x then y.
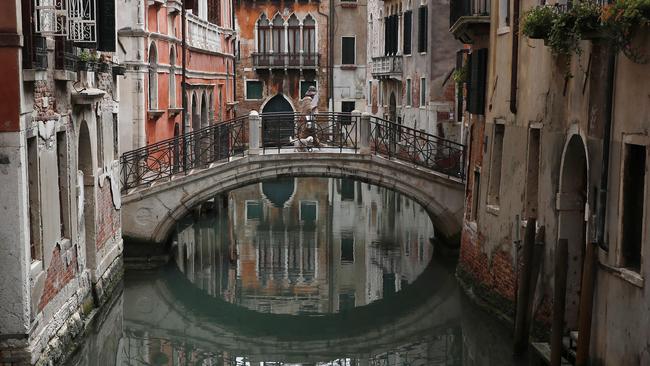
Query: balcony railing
{"type": "Point", "coordinates": [387, 66]}
{"type": "Point", "coordinates": [468, 18]}
{"type": "Point", "coordinates": [276, 60]}
{"type": "Point", "coordinates": [203, 34]}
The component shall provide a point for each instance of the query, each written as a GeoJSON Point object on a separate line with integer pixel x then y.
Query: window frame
{"type": "Point", "coordinates": [409, 92]}
{"type": "Point", "coordinates": [423, 92]}
{"type": "Point", "coordinates": [423, 30]}
{"type": "Point", "coordinates": [354, 51]}
{"type": "Point", "coordinates": [246, 89]}
{"type": "Point", "coordinates": [493, 197]}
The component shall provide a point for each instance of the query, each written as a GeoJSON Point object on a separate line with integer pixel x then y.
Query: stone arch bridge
{"type": "Point", "coordinates": [164, 181]}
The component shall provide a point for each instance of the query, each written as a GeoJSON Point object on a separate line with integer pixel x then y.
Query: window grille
{"type": "Point", "coordinates": [82, 20]}
{"type": "Point", "coordinates": [50, 17]}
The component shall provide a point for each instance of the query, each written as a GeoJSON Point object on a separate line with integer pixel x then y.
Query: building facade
{"type": "Point", "coordinates": [60, 199]}
{"type": "Point", "coordinates": [282, 51]}
{"type": "Point", "coordinates": [561, 142]}
{"type": "Point", "coordinates": [151, 35]}
{"type": "Point", "coordinates": [412, 56]}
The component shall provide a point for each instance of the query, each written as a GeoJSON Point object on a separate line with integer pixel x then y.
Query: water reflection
{"type": "Point", "coordinates": [298, 271]}
{"type": "Point", "coordinates": [304, 245]}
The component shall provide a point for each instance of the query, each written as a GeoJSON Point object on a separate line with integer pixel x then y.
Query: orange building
{"type": "Point", "coordinates": [150, 36]}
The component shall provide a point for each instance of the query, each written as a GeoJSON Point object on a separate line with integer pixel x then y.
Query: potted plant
{"type": "Point", "coordinates": [538, 21]}
{"type": "Point", "coordinates": [84, 59]}
{"type": "Point", "coordinates": [622, 21]}
{"type": "Point", "coordinates": [587, 20]}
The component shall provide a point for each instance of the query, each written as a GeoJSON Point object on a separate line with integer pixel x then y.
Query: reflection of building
{"type": "Point", "coordinates": [305, 245]}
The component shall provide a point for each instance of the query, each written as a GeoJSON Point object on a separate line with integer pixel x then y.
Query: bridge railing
{"type": "Point", "coordinates": [180, 154]}
{"type": "Point", "coordinates": [304, 132]}
{"type": "Point", "coordinates": [284, 132]}
{"type": "Point", "coordinates": [393, 140]}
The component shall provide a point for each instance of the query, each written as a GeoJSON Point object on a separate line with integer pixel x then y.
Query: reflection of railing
{"type": "Point", "coordinates": [203, 34]}
{"type": "Point", "coordinates": [407, 144]}
{"type": "Point", "coordinates": [291, 132]}
{"type": "Point", "coordinates": [163, 159]}
{"type": "Point", "coordinates": [305, 132]}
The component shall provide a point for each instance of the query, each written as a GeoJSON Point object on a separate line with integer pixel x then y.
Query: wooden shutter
{"type": "Point", "coordinates": [477, 81]}
{"type": "Point", "coordinates": [408, 22]}
{"type": "Point", "coordinates": [106, 25]}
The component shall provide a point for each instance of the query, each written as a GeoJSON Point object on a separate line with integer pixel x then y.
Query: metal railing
{"type": "Point", "coordinates": [285, 60]}
{"type": "Point", "coordinates": [302, 132]}
{"type": "Point", "coordinates": [291, 132]}
{"type": "Point", "coordinates": [417, 147]}
{"type": "Point", "coordinates": [181, 154]}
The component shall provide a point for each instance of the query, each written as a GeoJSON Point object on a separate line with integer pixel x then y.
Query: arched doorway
{"type": "Point", "coordinates": [86, 195]}
{"type": "Point", "coordinates": [571, 221]}
{"type": "Point", "coordinates": [278, 128]}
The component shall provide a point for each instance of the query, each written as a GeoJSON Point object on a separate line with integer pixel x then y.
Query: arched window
{"type": "Point", "coordinates": [172, 77]}
{"type": "Point", "coordinates": [293, 31]}
{"type": "Point", "coordinates": [309, 39]}
{"type": "Point", "coordinates": [153, 77]}
{"type": "Point", "coordinates": [263, 34]}
{"type": "Point", "coordinates": [278, 34]}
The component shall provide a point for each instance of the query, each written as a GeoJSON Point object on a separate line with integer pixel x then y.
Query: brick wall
{"type": "Point", "coordinates": [58, 274]}
{"type": "Point", "coordinates": [108, 218]}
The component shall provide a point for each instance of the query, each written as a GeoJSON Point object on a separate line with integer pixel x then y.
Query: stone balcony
{"type": "Point", "coordinates": [387, 67]}
{"type": "Point", "coordinates": [469, 19]}
{"type": "Point", "coordinates": [276, 60]}
{"type": "Point", "coordinates": [202, 34]}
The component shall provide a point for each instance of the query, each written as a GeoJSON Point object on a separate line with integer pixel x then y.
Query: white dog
{"type": "Point", "coordinates": [300, 144]}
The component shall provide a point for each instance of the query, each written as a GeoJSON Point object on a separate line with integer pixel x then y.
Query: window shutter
{"type": "Point", "coordinates": [386, 36]}
{"type": "Point", "coordinates": [106, 25]}
{"type": "Point", "coordinates": [422, 29]}
{"type": "Point", "coordinates": [478, 79]}
{"type": "Point", "coordinates": [407, 32]}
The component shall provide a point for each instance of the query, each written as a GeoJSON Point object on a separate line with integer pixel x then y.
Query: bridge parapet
{"type": "Point", "coordinates": [289, 132]}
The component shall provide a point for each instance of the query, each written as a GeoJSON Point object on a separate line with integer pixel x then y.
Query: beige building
{"type": "Point", "coordinates": [570, 153]}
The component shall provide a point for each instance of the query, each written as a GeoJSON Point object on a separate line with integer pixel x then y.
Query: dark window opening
{"type": "Point", "coordinates": [391, 32]}
{"type": "Point", "coordinates": [495, 167]}
{"type": "Point", "coordinates": [408, 23]}
{"type": "Point", "coordinates": [253, 210]}
{"type": "Point", "coordinates": [348, 56]}
{"type": "Point", "coordinates": [633, 200]}
{"type": "Point", "coordinates": [476, 189]}
{"type": "Point", "coordinates": [347, 190]}
{"type": "Point", "coordinates": [388, 282]}
{"type": "Point", "coordinates": [214, 11]}
{"type": "Point", "coordinates": [34, 199]}
{"type": "Point", "coordinates": [477, 81]}
{"type": "Point", "coordinates": [422, 29]}
{"type": "Point", "coordinates": [304, 86]}
{"type": "Point", "coordinates": [347, 249]}
{"type": "Point", "coordinates": [253, 89]}
{"type": "Point", "coordinates": [308, 211]}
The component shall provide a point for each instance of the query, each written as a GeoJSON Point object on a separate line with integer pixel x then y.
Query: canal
{"type": "Point", "coordinates": [298, 271]}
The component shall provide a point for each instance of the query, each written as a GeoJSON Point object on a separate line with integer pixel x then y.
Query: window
{"type": "Point", "coordinates": [633, 191]}
{"type": "Point", "coordinates": [214, 11]}
{"type": "Point", "coordinates": [347, 107]}
{"type": "Point", "coordinates": [391, 31]}
{"type": "Point", "coordinates": [476, 191]}
{"type": "Point", "coordinates": [369, 93]}
{"type": "Point", "coordinates": [293, 35]}
{"type": "Point", "coordinates": [408, 92]}
{"type": "Point", "coordinates": [309, 36]}
{"type": "Point", "coordinates": [348, 50]}
{"type": "Point", "coordinates": [304, 86]}
{"type": "Point", "coordinates": [263, 34]}
{"type": "Point", "coordinates": [495, 165]}
{"type": "Point", "coordinates": [423, 92]}
{"type": "Point", "coordinates": [504, 13]}
{"type": "Point", "coordinates": [532, 173]}
{"type": "Point", "coordinates": [172, 78]}
{"type": "Point", "coordinates": [153, 77]}
{"type": "Point", "coordinates": [347, 249]}
{"type": "Point", "coordinates": [278, 34]}
{"type": "Point", "coordinates": [346, 300]}
{"type": "Point", "coordinates": [253, 89]}
{"type": "Point", "coordinates": [477, 80]}
{"type": "Point", "coordinates": [388, 284]}
{"type": "Point", "coordinates": [64, 186]}
{"type": "Point", "coordinates": [253, 210]}
{"type": "Point", "coordinates": [408, 24]}
{"type": "Point", "coordinates": [347, 190]}
{"type": "Point", "coordinates": [308, 211]}
{"type": "Point", "coordinates": [422, 29]}
{"type": "Point", "coordinates": [33, 180]}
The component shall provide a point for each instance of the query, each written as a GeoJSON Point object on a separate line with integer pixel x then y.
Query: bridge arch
{"type": "Point", "coordinates": [151, 214]}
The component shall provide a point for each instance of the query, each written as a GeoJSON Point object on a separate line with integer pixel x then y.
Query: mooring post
{"type": "Point", "coordinates": [559, 298]}
{"type": "Point", "coordinates": [523, 289]}
{"type": "Point", "coordinates": [363, 141]}
{"type": "Point", "coordinates": [254, 123]}
{"type": "Point", "coordinates": [586, 304]}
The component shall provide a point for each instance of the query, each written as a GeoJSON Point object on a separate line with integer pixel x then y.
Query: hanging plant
{"type": "Point", "coordinates": [622, 20]}
{"type": "Point", "coordinates": [538, 21]}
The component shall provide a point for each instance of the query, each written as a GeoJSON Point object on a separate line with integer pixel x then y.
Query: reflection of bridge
{"type": "Point", "coordinates": [170, 307]}
{"type": "Point", "coordinates": [163, 181]}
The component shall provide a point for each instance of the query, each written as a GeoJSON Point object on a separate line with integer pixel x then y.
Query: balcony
{"type": "Point", "coordinates": [274, 60]}
{"type": "Point", "coordinates": [469, 19]}
{"type": "Point", "coordinates": [202, 34]}
{"type": "Point", "coordinates": [387, 67]}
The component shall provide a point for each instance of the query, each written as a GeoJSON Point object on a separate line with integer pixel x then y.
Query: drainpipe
{"type": "Point", "coordinates": [589, 267]}
{"type": "Point", "coordinates": [183, 86]}
{"type": "Point", "coordinates": [515, 57]}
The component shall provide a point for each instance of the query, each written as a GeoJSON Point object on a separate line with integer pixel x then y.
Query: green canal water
{"type": "Point", "coordinates": [298, 271]}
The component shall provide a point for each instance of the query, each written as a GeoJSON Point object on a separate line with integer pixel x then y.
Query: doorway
{"type": "Point", "coordinates": [277, 121]}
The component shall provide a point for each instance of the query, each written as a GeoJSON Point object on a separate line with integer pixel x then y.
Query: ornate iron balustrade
{"type": "Point", "coordinates": [303, 132]}
{"type": "Point", "coordinates": [179, 155]}
{"type": "Point", "coordinates": [291, 132]}
{"type": "Point", "coordinates": [420, 148]}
